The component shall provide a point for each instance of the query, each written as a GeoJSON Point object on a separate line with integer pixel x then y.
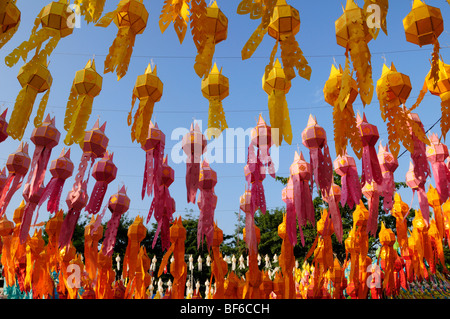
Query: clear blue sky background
{"type": "Point", "coordinates": [182, 99]}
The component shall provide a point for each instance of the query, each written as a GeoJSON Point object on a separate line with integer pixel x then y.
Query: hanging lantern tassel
{"type": "Point", "coordinates": [437, 152]}
{"type": "Point", "coordinates": [419, 157]}
{"type": "Point", "coordinates": [194, 145]}
{"type": "Point", "coordinates": [86, 85]}
{"type": "Point", "coordinates": [254, 174]}
{"type": "Point", "coordinates": [300, 176]}
{"type": "Point", "coordinates": [353, 34]}
{"type": "Point", "coordinates": [61, 169]}
{"type": "Point", "coordinates": [345, 166]}
{"type": "Point", "coordinates": [104, 172]}
{"type": "Point", "coordinates": [215, 88]}
{"type": "Point", "coordinates": [277, 86]}
{"type": "Point", "coordinates": [315, 139]}
{"type": "Point", "coordinates": [213, 30]}
{"type": "Point", "coordinates": [118, 205]}
{"type": "Point", "coordinates": [163, 205]}
{"type": "Point", "coordinates": [55, 20]}
{"type": "Point", "coordinates": [131, 19]}
{"type": "Point", "coordinates": [90, 9]}
{"type": "Point", "coordinates": [393, 89]}
{"type": "Point", "coordinates": [332, 199]}
{"type": "Point", "coordinates": [17, 164]}
{"type": "Point", "coordinates": [207, 202]}
{"type": "Point", "coordinates": [34, 77]}
{"type": "Point", "coordinates": [284, 25]}
{"type": "Point", "coordinates": [388, 164]}
{"type": "Point", "coordinates": [148, 89]}
{"type": "Point", "coordinates": [75, 202]}
{"type": "Point", "coordinates": [9, 21]}
{"type": "Point", "coordinates": [45, 137]}
{"type": "Point", "coordinates": [371, 170]}
{"type": "Point", "coordinates": [246, 206]}
{"type": "Point", "coordinates": [423, 25]}
{"type": "Point", "coordinates": [417, 185]}
{"type": "Point", "coordinates": [340, 91]}
{"type": "Point", "coordinates": [154, 156]}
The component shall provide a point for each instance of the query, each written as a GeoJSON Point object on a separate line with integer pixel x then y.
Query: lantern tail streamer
{"type": "Point", "coordinates": [111, 234]}
{"type": "Point", "coordinates": [21, 112]}
{"type": "Point", "coordinates": [120, 52]}
{"type": "Point", "coordinates": [193, 170]}
{"type": "Point", "coordinates": [76, 119]}
{"type": "Point", "coordinates": [336, 219]}
{"type": "Point", "coordinates": [445, 110]}
{"type": "Point", "coordinates": [139, 129]}
{"type": "Point", "coordinates": [387, 190]}
{"type": "Point", "coordinates": [9, 190]}
{"type": "Point", "coordinates": [216, 117]}
{"type": "Point", "coordinates": [203, 60]}
{"type": "Point", "coordinates": [292, 57]}
{"type": "Point", "coordinates": [97, 196]}
{"type": "Point", "coordinates": [372, 222]}
{"type": "Point", "coordinates": [279, 116]}
{"type": "Point", "coordinates": [197, 20]}
{"type": "Point", "coordinates": [68, 227]}
{"type": "Point", "coordinates": [52, 192]}
{"type": "Point", "coordinates": [360, 55]}
{"type": "Point", "coordinates": [440, 173]}
{"type": "Point", "coordinates": [205, 227]}
{"type": "Point", "coordinates": [371, 167]}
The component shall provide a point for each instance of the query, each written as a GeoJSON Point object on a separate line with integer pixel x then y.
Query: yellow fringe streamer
{"type": "Point", "coordinates": [346, 86]}
{"type": "Point", "coordinates": [70, 107]}
{"type": "Point", "coordinates": [77, 116]}
{"type": "Point", "coordinates": [41, 109]}
{"type": "Point", "coordinates": [139, 130]}
{"type": "Point", "coordinates": [203, 60]}
{"type": "Point", "coordinates": [6, 36]}
{"type": "Point", "coordinates": [91, 9]}
{"type": "Point", "coordinates": [445, 109]}
{"type": "Point", "coordinates": [263, 9]}
{"type": "Point", "coordinates": [198, 10]}
{"type": "Point", "coordinates": [279, 116]}
{"type": "Point", "coordinates": [434, 72]}
{"type": "Point", "coordinates": [384, 6]}
{"type": "Point", "coordinates": [292, 57]}
{"type": "Point", "coordinates": [21, 112]}
{"type": "Point", "coordinates": [216, 118]}
{"type": "Point", "coordinates": [176, 11]}
{"type": "Point", "coordinates": [120, 52]}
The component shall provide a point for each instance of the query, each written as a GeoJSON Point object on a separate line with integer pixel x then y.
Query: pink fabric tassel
{"type": "Point", "coordinates": [26, 221]}
{"type": "Point", "coordinates": [419, 158]}
{"type": "Point", "coordinates": [371, 170]}
{"type": "Point", "coordinates": [372, 222]}
{"type": "Point", "coordinates": [192, 175]}
{"type": "Point", "coordinates": [440, 177]}
{"type": "Point", "coordinates": [110, 234]}
{"type": "Point", "coordinates": [68, 227]}
{"type": "Point", "coordinates": [351, 188]}
{"type": "Point", "coordinates": [147, 185]}
{"type": "Point", "coordinates": [322, 168]}
{"type": "Point", "coordinates": [335, 217]}
{"type": "Point", "coordinates": [163, 207]}
{"type": "Point", "coordinates": [41, 168]}
{"type": "Point", "coordinates": [205, 228]}
{"type": "Point", "coordinates": [52, 192]}
{"type": "Point", "coordinates": [388, 190]}
{"type": "Point", "coordinates": [98, 194]}
{"type": "Point", "coordinates": [250, 235]}
{"type": "Point", "coordinates": [8, 192]}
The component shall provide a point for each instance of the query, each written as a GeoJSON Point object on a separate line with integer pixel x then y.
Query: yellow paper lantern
{"type": "Point", "coordinates": [215, 88]}
{"type": "Point", "coordinates": [277, 86]}
{"type": "Point", "coordinates": [9, 20]}
{"type": "Point", "coordinates": [130, 17]}
{"type": "Point", "coordinates": [215, 29]}
{"type": "Point", "coordinates": [423, 25]}
{"type": "Point", "coordinates": [34, 77]}
{"type": "Point", "coordinates": [86, 85]}
{"type": "Point", "coordinates": [148, 89]}
{"type": "Point", "coordinates": [353, 34]}
{"type": "Point", "coordinates": [56, 20]}
{"type": "Point", "coordinates": [340, 91]}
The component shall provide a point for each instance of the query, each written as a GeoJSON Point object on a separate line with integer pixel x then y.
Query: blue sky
{"type": "Point", "coordinates": [182, 100]}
